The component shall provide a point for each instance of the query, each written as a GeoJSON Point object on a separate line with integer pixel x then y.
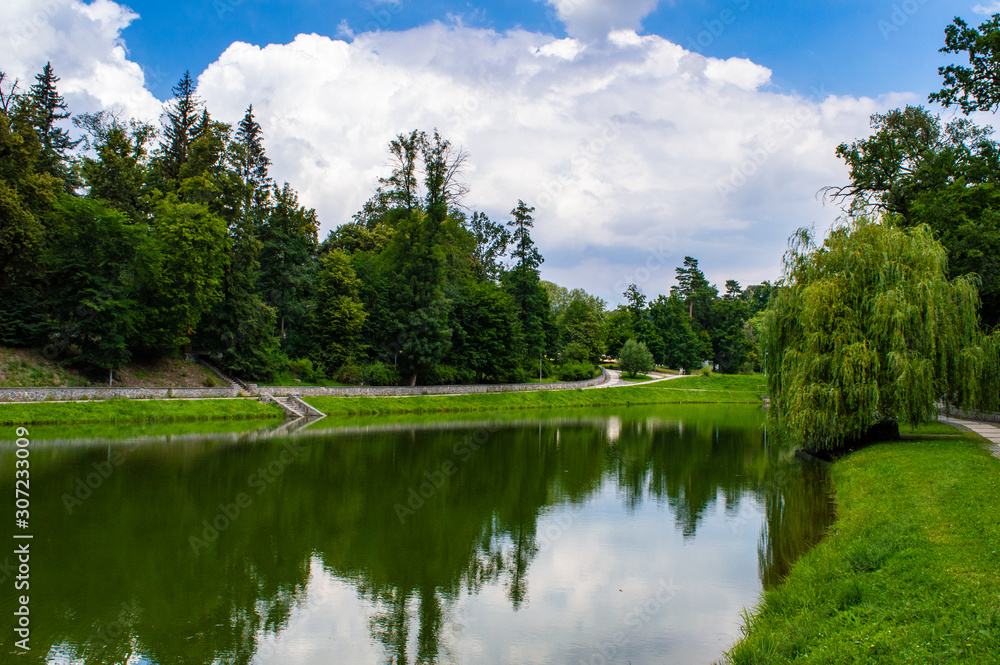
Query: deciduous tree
{"type": "Point", "coordinates": [868, 328]}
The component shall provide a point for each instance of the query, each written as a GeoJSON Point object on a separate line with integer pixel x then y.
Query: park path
{"type": "Point", "coordinates": [988, 431]}
{"type": "Point", "coordinates": [616, 381]}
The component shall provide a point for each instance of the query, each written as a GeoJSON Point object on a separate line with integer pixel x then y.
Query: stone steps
{"type": "Point", "coordinates": [293, 406]}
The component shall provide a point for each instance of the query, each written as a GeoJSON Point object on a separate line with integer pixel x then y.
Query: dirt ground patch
{"type": "Point", "coordinates": [28, 368]}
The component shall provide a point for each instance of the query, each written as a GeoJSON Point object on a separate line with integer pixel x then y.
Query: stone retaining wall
{"type": "Point", "coordinates": [79, 394]}
{"type": "Point", "coordinates": [405, 391]}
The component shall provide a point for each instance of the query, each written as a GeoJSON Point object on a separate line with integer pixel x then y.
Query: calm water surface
{"type": "Point", "coordinates": [603, 536]}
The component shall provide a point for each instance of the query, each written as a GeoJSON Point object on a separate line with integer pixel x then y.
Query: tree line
{"type": "Point", "coordinates": [143, 241]}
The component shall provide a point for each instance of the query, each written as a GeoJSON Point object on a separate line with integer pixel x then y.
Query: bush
{"type": "Point", "coordinates": [350, 373]}
{"type": "Point", "coordinates": [380, 374]}
{"type": "Point", "coordinates": [443, 375]}
{"type": "Point", "coordinates": [304, 369]}
{"type": "Point", "coordinates": [579, 371]}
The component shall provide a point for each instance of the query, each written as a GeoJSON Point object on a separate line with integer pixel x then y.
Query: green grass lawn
{"type": "Point", "coordinates": [638, 378]}
{"type": "Point", "coordinates": [910, 572]}
{"type": "Point", "coordinates": [694, 390]}
{"type": "Point", "coordinates": [133, 411]}
{"type": "Point", "coordinates": [714, 389]}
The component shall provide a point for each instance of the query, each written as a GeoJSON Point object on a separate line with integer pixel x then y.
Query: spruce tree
{"type": "Point", "coordinates": [251, 162]}
{"type": "Point", "coordinates": [186, 121]}
{"type": "Point", "coordinates": [524, 284]}
{"type": "Point", "coordinates": [48, 108]}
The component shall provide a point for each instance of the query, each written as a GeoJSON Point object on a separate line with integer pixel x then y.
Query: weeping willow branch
{"type": "Point", "coordinates": [867, 328]}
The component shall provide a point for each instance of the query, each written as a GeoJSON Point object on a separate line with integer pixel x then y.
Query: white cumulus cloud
{"type": "Point", "coordinates": [988, 9]}
{"type": "Point", "coordinates": [594, 19]}
{"type": "Point", "coordinates": [83, 42]}
{"type": "Point", "coordinates": [625, 146]}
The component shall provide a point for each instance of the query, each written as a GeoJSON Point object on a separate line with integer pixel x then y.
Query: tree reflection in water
{"type": "Point", "coordinates": [117, 575]}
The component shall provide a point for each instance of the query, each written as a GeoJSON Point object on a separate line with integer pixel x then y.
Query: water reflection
{"type": "Point", "coordinates": [480, 541]}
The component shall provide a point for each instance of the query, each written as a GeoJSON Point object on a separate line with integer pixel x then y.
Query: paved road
{"type": "Point", "coordinates": [988, 431]}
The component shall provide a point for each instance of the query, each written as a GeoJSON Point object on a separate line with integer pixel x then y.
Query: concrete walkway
{"type": "Point", "coordinates": [615, 380]}
{"type": "Point", "coordinates": [988, 431]}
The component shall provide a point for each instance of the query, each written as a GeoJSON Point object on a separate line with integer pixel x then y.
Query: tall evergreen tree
{"type": "Point", "coordinates": [691, 286]}
{"type": "Point", "coordinates": [249, 159]}
{"type": "Point", "coordinates": [524, 284]}
{"type": "Point", "coordinates": [186, 121]}
{"type": "Point", "coordinates": [48, 108]}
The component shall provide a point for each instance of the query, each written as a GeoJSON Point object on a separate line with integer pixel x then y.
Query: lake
{"type": "Point", "coordinates": [628, 535]}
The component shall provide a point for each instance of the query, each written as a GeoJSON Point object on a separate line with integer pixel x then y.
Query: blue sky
{"type": "Point", "coordinates": [856, 47]}
{"type": "Point", "coordinates": [643, 131]}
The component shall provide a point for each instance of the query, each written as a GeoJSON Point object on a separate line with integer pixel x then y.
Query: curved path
{"type": "Point", "coordinates": [615, 380]}
{"type": "Point", "coordinates": [988, 431]}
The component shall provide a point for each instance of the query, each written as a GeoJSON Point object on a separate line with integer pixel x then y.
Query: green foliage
{"type": "Point", "coordinates": [487, 332]}
{"type": "Point", "coordinates": [865, 329]}
{"type": "Point", "coordinates": [635, 358]}
{"type": "Point", "coordinates": [971, 88]}
{"type": "Point", "coordinates": [95, 293]}
{"type": "Point", "coordinates": [679, 344]}
{"type": "Point", "coordinates": [911, 153]}
{"type": "Point", "coordinates": [380, 374]}
{"type": "Point", "coordinates": [186, 121]}
{"type": "Point", "coordinates": [575, 371]}
{"type": "Point", "coordinates": [27, 193]}
{"type": "Point", "coordinates": [117, 174]}
{"type": "Point", "coordinates": [288, 268]}
{"type": "Point", "coordinates": [184, 271]}
{"type": "Point", "coordinates": [339, 314]}
{"type": "Point", "coordinates": [47, 107]}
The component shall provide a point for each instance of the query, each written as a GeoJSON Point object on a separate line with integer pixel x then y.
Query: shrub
{"type": "Point", "coordinates": [380, 374]}
{"type": "Point", "coordinates": [304, 369]}
{"type": "Point", "coordinates": [350, 373]}
{"type": "Point", "coordinates": [579, 371]}
{"type": "Point", "coordinates": [449, 375]}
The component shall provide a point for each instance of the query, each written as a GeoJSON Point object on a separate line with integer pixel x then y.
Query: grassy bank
{"type": "Point", "coordinates": [134, 411]}
{"type": "Point", "coordinates": [693, 390]}
{"type": "Point", "coordinates": [910, 572]}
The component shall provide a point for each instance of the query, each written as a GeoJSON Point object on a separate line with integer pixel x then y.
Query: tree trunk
{"type": "Point", "coordinates": [413, 379]}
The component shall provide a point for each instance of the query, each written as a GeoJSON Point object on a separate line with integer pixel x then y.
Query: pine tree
{"type": "Point", "coordinates": [48, 108]}
{"type": "Point", "coordinates": [691, 283]}
{"type": "Point", "coordinates": [251, 163]}
{"type": "Point", "coordinates": [524, 284]}
{"type": "Point", "coordinates": [186, 121]}
{"type": "Point", "coordinates": [524, 252]}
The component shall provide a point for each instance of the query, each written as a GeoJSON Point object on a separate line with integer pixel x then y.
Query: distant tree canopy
{"type": "Point", "coordinates": [868, 328]}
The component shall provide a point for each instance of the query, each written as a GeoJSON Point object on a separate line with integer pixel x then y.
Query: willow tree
{"type": "Point", "coordinates": [868, 329]}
